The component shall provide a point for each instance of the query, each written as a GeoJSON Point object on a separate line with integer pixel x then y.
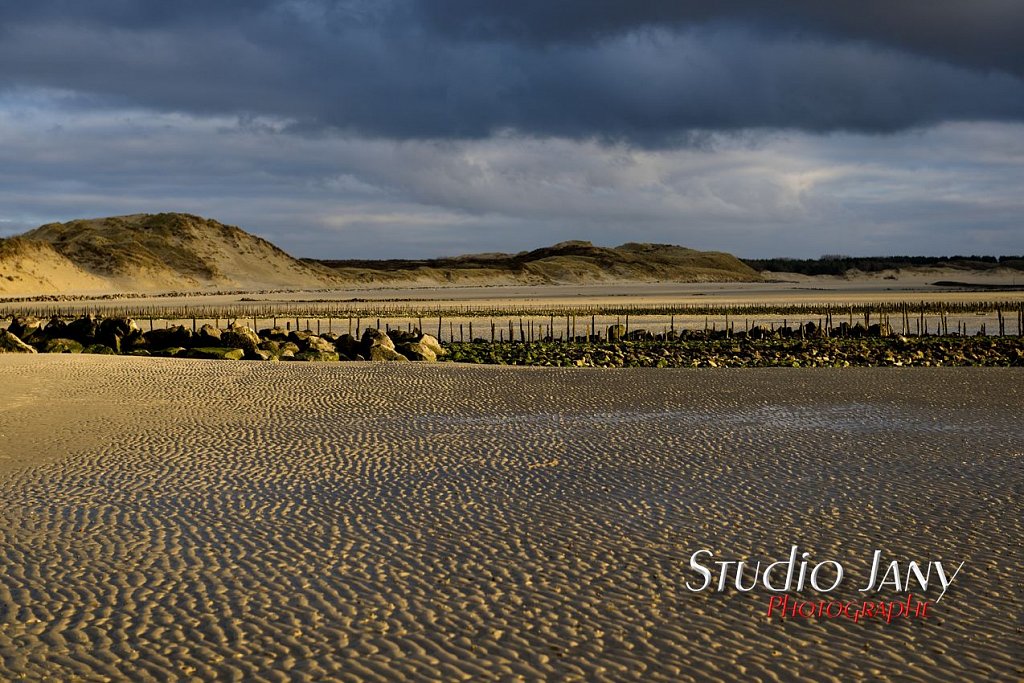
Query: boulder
{"type": "Point", "coordinates": [25, 327]}
{"type": "Point", "coordinates": [313, 355]}
{"type": "Point", "coordinates": [135, 341]}
{"type": "Point", "coordinates": [121, 326]}
{"type": "Point", "coordinates": [347, 345]}
{"type": "Point", "coordinates": [383, 353]}
{"type": "Point", "coordinates": [99, 349]}
{"type": "Point", "coordinates": [299, 337]}
{"type": "Point", "coordinates": [402, 337]}
{"type": "Point", "coordinates": [9, 343]}
{"type": "Point", "coordinates": [318, 344]}
{"type": "Point", "coordinates": [62, 346]}
{"type": "Point", "coordinates": [374, 337]}
{"type": "Point", "coordinates": [270, 346]}
{"type": "Point", "coordinates": [215, 353]}
{"type": "Point", "coordinates": [274, 333]}
{"type": "Point", "coordinates": [55, 328]}
{"type": "Point", "coordinates": [260, 354]}
{"type": "Point", "coordinates": [171, 337]}
{"type": "Point", "coordinates": [418, 351]}
{"type": "Point", "coordinates": [616, 332]}
{"type": "Point", "coordinates": [208, 335]}
{"type": "Point", "coordinates": [112, 332]}
{"type": "Point", "coordinates": [171, 352]}
{"type": "Point", "coordinates": [431, 343]}
{"type": "Point", "coordinates": [880, 330]}
{"type": "Point", "coordinates": [82, 330]}
{"type": "Point", "coordinates": [240, 337]}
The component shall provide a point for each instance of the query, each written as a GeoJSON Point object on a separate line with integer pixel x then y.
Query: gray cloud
{"type": "Point", "coordinates": [431, 127]}
{"type": "Point", "coordinates": [651, 73]}
{"type": "Point", "coordinates": [952, 188]}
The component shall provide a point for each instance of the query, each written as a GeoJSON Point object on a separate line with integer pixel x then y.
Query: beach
{"type": "Point", "coordinates": [181, 519]}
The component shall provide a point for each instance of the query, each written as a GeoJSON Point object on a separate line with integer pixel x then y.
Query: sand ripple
{"type": "Point", "coordinates": [166, 520]}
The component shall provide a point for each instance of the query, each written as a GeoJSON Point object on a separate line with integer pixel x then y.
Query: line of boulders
{"type": "Point", "coordinates": [118, 335]}
{"type": "Point", "coordinates": [808, 330]}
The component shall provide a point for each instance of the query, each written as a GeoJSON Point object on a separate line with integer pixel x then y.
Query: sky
{"type": "Point", "coordinates": [419, 128]}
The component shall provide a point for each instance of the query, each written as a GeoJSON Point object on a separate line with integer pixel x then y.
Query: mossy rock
{"type": "Point", "coordinates": [99, 349]}
{"type": "Point", "coordinates": [216, 353]}
{"type": "Point", "coordinates": [170, 352]}
{"type": "Point", "coordinates": [62, 346]}
{"type": "Point", "coordinates": [315, 356]}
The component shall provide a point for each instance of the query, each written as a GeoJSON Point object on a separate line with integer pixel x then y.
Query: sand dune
{"type": "Point", "coordinates": [149, 253]}
{"type": "Point", "coordinates": [176, 519]}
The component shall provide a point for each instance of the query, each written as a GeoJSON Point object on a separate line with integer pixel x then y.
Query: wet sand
{"type": "Point", "coordinates": [239, 521]}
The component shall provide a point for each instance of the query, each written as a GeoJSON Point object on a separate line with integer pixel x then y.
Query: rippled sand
{"type": "Point", "coordinates": [174, 519]}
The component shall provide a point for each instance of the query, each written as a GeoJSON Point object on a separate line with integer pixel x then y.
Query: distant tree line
{"type": "Point", "coordinates": [837, 264]}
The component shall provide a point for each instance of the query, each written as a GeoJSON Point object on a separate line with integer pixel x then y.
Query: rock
{"type": "Point", "coordinates": [99, 349]}
{"type": "Point", "coordinates": [113, 331]}
{"type": "Point", "coordinates": [135, 341]}
{"type": "Point", "coordinates": [374, 337]}
{"type": "Point", "coordinates": [140, 352]}
{"type": "Point", "coordinates": [319, 345]}
{"type": "Point", "coordinates": [616, 332]}
{"type": "Point", "coordinates": [270, 346]}
{"type": "Point", "coordinates": [25, 327]}
{"type": "Point", "coordinates": [880, 330]}
{"type": "Point", "coordinates": [9, 343]}
{"type": "Point", "coordinates": [55, 328]}
{"type": "Point", "coordinates": [171, 352]}
{"type": "Point", "coordinates": [260, 354]}
{"type": "Point", "coordinates": [120, 326]}
{"type": "Point", "coordinates": [171, 337]}
{"type": "Point", "coordinates": [62, 346]}
{"type": "Point", "coordinates": [216, 353]}
{"type": "Point", "coordinates": [383, 353]}
{"type": "Point", "coordinates": [278, 334]}
{"type": "Point", "coordinates": [290, 347]}
{"type": "Point", "coordinates": [82, 330]}
{"type": "Point", "coordinates": [240, 337]}
{"type": "Point", "coordinates": [208, 335]}
{"type": "Point", "coordinates": [432, 344]}
{"type": "Point", "coordinates": [417, 351]}
{"type": "Point", "coordinates": [315, 356]}
{"type": "Point", "coordinates": [401, 337]}
{"type": "Point", "coordinates": [347, 345]}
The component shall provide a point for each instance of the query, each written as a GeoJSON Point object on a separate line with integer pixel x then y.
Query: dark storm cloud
{"type": "Point", "coordinates": [983, 33]}
{"type": "Point", "coordinates": [654, 73]}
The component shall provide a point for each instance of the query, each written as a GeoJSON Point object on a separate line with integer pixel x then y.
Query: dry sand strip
{"type": "Point", "coordinates": [169, 519]}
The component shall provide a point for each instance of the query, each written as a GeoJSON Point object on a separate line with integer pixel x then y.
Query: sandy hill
{"type": "Point", "coordinates": [180, 252]}
{"type": "Point", "coordinates": [148, 252]}
{"type": "Point", "coordinates": [572, 262]}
